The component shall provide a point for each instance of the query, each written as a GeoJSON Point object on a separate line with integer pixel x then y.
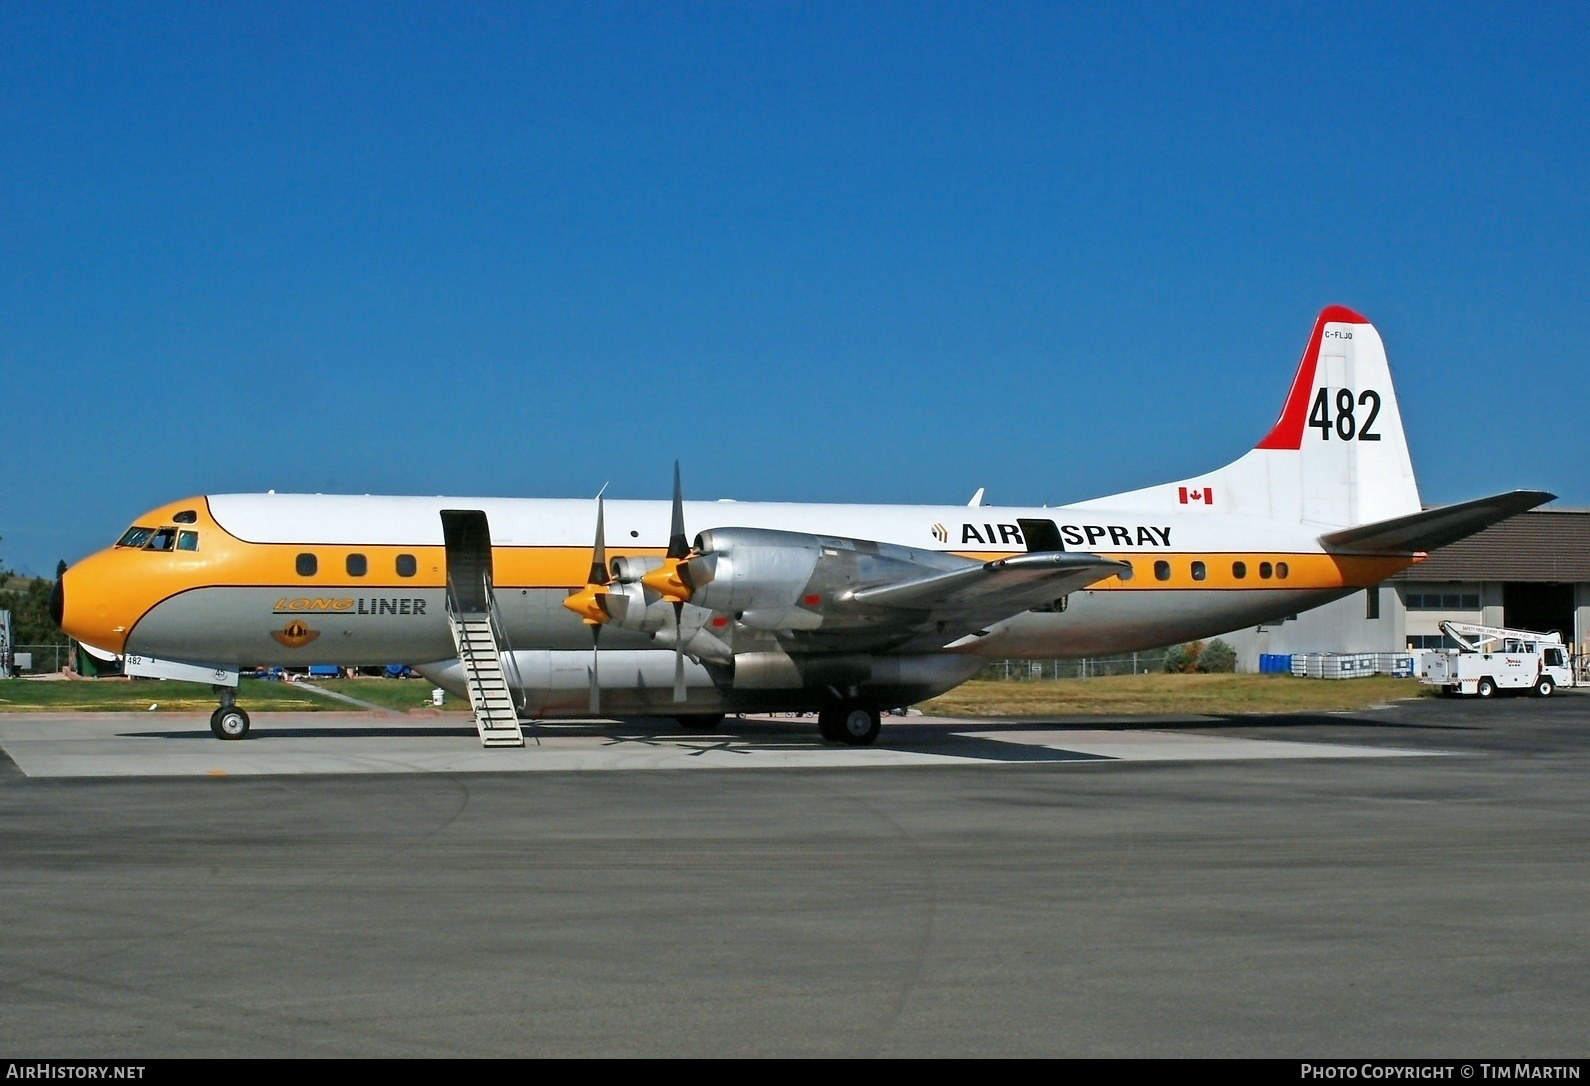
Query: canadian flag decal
{"type": "Point", "coordinates": [1206, 496]}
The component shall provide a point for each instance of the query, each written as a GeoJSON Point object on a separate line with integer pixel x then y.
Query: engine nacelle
{"type": "Point", "coordinates": [750, 569]}
{"type": "Point", "coordinates": [630, 568]}
{"type": "Point", "coordinates": [633, 606]}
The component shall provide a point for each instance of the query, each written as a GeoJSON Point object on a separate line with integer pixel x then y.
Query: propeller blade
{"type": "Point", "coordinates": [596, 679]}
{"type": "Point", "coordinates": [599, 574]}
{"type": "Point", "coordinates": [665, 579]}
{"type": "Point", "coordinates": [679, 653]}
{"type": "Point", "coordinates": [590, 602]}
{"type": "Point", "coordinates": [598, 577]}
{"type": "Point", "coordinates": [678, 545]}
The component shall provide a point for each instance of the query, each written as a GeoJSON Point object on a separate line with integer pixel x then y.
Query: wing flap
{"type": "Point", "coordinates": [1433, 528]}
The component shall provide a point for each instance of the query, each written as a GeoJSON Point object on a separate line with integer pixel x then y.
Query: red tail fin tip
{"type": "Point", "coordinates": [1287, 433]}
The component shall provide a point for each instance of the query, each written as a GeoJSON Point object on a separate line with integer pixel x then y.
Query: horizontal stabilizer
{"type": "Point", "coordinates": [1434, 528]}
{"type": "Point", "coordinates": [1040, 574]}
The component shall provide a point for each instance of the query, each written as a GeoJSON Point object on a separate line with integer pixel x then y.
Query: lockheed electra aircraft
{"type": "Point", "coordinates": [839, 609]}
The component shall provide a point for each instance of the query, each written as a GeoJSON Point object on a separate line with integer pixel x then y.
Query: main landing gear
{"type": "Point", "coordinates": [228, 722]}
{"type": "Point", "coordinates": [849, 721]}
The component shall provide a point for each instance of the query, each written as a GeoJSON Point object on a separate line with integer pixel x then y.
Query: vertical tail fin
{"type": "Point", "coordinates": [1336, 456]}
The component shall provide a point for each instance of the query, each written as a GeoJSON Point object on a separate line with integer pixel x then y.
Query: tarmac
{"type": "Point", "coordinates": [1406, 881]}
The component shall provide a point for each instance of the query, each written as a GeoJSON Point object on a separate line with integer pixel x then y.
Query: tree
{"type": "Point", "coordinates": [1183, 659]}
{"type": "Point", "coordinates": [28, 600]}
{"type": "Point", "coordinates": [1217, 656]}
{"type": "Point", "coordinates": [1195, 656]}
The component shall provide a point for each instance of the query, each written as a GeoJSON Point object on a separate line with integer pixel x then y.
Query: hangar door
{"type": "Point", "coordinates": [1539, 607]}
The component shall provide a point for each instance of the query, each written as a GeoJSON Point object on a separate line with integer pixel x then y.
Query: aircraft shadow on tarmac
{"type": "Point", "coordinates": [316, 733]}
{"type": "Point", "coordinates": [735, 736]}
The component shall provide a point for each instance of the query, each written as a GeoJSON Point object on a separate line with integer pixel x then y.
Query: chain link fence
{"type": "Point", "coordinates": [41, 659]}
{"type": "Point", "coordinates": [1089, 667]}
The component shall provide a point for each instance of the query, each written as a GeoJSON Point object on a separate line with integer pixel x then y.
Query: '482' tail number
{"type": "Point", "coordinates": [1345, 422]}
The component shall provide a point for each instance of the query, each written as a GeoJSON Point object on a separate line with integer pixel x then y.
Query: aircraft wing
{"type": "Point", "coordinates": [1018, 582]}
{"type": "Point", "coordinates": [820, 594]}
{"type": "Point", "coordinates": [1432, 528]}
{"type": "Point", "coordinates": [937, 608]}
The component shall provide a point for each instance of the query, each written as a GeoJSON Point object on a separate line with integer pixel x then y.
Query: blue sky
{"type": "Point", "coordinates": [880, 253]}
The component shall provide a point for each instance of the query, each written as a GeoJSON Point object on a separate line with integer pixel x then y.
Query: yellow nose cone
{"type": "Point", "coordinates": [664, 580]}
{"type": "Point", "coordinates": [97, 601]}
{"type": "Point", "coordinates": [587, 603]}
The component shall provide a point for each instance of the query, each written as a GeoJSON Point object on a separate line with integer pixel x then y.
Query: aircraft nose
{"type": "Point", "coordinates": [95, 608]}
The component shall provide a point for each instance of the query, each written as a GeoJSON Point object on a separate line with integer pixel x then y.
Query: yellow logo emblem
{"type": "Point", "coordinates": [295, 635]}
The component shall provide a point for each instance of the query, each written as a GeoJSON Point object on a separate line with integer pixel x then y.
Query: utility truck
{"type": "Point", "coordinates": [1490, 659]}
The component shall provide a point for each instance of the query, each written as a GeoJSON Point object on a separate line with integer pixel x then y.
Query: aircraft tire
{"type": "Point", "coordinates": [1485, 689]}
{"type": "Point", "coordinates": [229, 722]}
{"type": "Point", "coordinates": [858, 724]}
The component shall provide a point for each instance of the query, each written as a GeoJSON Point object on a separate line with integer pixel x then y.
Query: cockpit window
{"type": "Point", "coordinates": [187, 541]}
{"type": "Point", "coordinates": [162, 540]}
{"type": "Point", "coordinates": [135, 537]}
{"type": "Point", "coordinates": [187, 516]}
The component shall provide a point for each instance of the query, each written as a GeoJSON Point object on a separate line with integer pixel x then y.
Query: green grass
{"type": "Point", "coordinates": [123, 695]}
{"type": "Point", "coordinates": [1156, 694]}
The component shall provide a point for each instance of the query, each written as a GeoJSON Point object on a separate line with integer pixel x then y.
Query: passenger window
{"type": "Point", "coordinates": [187, 541]}
{"type": "Point", "coordinates": [1239, 570]}
{"type": "Point", "coordinates": [1126, 574]}
{"type": "Point", "coordinates": [1281, 571]}
{"type": "Point", "coordinates": [163, 540]}
{"type": "Point", "coordinates": [405, 565]}
{"type": "Point", "coordinates": [306, 565]}
{"type": "Point", "coordinates": [187, 516]}
{"type": "Point", "coordinates": [1265, 570]}
{"type": "Point", "coordinates": [1198, 571]}
{"type": "Point", "coordinates": [1162, 571]}
{"type": "Point", "coordinates": [357, 565]}
{"type": "Point", "coordinates": [135, 537]}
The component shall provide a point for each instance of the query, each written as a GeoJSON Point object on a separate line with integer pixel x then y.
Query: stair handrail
{"type": "Point", "coordinates": [466, 654]}
{"type": "Point", "coordinates": [499, 633]}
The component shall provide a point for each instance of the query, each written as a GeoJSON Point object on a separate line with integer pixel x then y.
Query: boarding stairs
{"type": "Point", "coordinates": [496, 717]}
{"type": "Point", "coordinates": [471, 613]}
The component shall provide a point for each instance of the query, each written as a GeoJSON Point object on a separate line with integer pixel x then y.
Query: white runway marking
{"type": "Point", "coordinates": [135, 745]}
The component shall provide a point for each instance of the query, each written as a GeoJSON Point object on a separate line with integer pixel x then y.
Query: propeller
{"type": "Point", "coordinates": [591, 602]}
{"type": "Point", "coordinates": [665, 581]}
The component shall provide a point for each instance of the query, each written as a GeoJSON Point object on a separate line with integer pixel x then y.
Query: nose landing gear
{"type": "Point", "coordinates": [229, 721]}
